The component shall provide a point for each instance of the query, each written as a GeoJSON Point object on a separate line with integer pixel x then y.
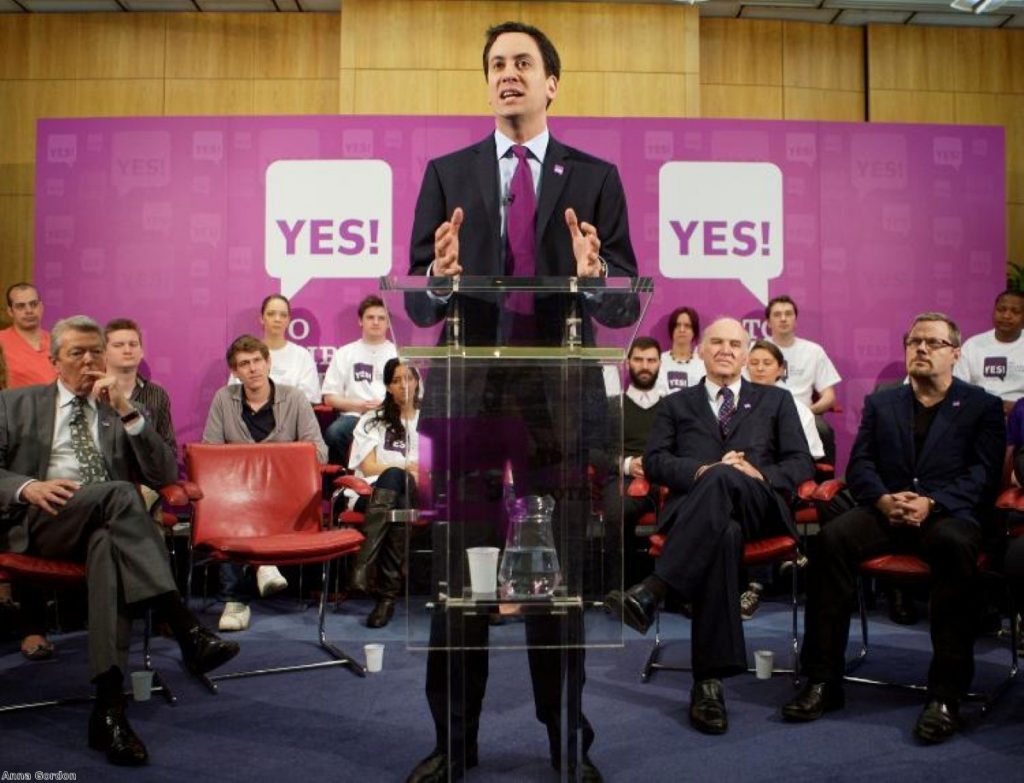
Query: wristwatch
{"type": "Point", "coordinates": [131, 416]}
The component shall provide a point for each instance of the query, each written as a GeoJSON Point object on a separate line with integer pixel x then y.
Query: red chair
{"type": "Point", "coordinates": [260, 504]}
{"type": "Point", "coordinates": [777, 549]}
{"type": "Point", "coordinates": [41, 572]}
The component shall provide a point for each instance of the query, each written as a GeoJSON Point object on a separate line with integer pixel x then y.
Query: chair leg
{"type": "Point", "coordinates": [853, 663]}
{"type": "Point", "coordinates": [147, 661]}
{"type": "Point", "coordinates": [653, 663]}
{"type": "Point", "coordinates": [796, 624]}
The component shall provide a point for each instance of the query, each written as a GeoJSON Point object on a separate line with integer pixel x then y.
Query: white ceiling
{"type": "Point", "coordinates": [1008, 14]}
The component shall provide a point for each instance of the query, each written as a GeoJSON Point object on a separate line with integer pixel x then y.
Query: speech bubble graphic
{"type": "Point", "coordinates": [658, 145]}
{"type": "Point", "coordinates": [59, 230]}
{"type": "Point", "coordinates": [327, 219]}
{"type": "Point", "coordinates": [721, 221]}
{"type": "Point", "coordinates": [205, 227]}
{"type": "Point", "coordinates": [157, 216]}
{"type": "Point", "coordinates": [878, 161]}
{"type": "Point", "coordinates": [948, 151]}
{"type": "Point", "coordinates": [62, 148]}
{"type": "Point", "coordinates": [208, 145]}
{"type": "Point", "coordinates": [140, 159]}
{"type": "Point", "coordinates": [948, 231]}
{"type": "Point", "coordinates": [802, 148]}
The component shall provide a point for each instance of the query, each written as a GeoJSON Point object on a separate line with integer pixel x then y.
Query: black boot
{"type": "Point", "coordinates": [375, 529]}
{"type": "Point", "coordinates": [390, 560]}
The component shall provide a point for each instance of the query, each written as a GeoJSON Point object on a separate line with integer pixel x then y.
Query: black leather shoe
{"type": "Point", "coordinates": [707, 707]}
{"type": "Point", "coordinates": [814, 700]}
{"type": "Point", "coordinates": [937, 722]}
{"type": "Point", "coordinates": [382, 613]}
{"type": "Point", "coordinates": [109, 731]}
{"type": "Point", "coordinates": [436, 767]}
{"type": "Point", "coordinates": [901, 606]}
{"type": "Point", "coordinates": [635, 607]}
{"type": "Point", "coordinates": [203, 651]}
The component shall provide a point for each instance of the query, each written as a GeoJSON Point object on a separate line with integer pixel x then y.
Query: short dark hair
{"type": "Point", "coordinates": [694, 321]}
{"type": "Point", "coordinates": [643, 344]}
{"type": "Point", "coordinates": [772, 348]}
{"type": "Point", "coordinates": [548, 52]}
{"type": "Point", "coordinates": [370, 301]}
{"type": "Point", "coordinates": [1010, 292]}
{"type": "Point", "coordinates": [17, 286]}
{"type": "Point", "coordinates": [246, 344]}
{"type": "Point", "coordinates": [954, 330]}
{"type": "Point", "coordinates": [119, 324]}
{"type": "Point", "coordinates": [268, 299]}
{"type": "Point", "coordinates": [784, 299]}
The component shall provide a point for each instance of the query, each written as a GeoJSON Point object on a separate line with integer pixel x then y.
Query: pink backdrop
{"type": "Point", "coordinates": [167, 220]}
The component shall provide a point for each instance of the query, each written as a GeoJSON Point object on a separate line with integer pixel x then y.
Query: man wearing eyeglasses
{"type": "Point", "coordinates": [26, 345]}
{"type": "Point", "coordinates": [926, 461]}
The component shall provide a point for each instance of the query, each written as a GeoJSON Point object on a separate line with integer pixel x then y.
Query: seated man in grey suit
{"type": "Point", "coordinates": [68, 454]}
{"type": "Point", "coordinates": [925, 464]}
{"type": "Point", "coordinates": [730, 452]}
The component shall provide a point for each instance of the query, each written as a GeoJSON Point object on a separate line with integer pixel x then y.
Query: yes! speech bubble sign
{"type": "Point", "coordinates": [721, 221]}
{"type": "Point", "coordinates": [327, 219]}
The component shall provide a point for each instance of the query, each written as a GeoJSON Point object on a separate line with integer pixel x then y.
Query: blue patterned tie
{"type": "Point", "coordinates": [727, 409]}
{"type": "Point", "coordinates": [90, 462]}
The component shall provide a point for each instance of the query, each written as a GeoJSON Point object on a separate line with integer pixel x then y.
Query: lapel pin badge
{"type": "Point", "coordinates": [559, 169]}
{"type": "Point", "coordinates": [746, 405]}
{"type": "Point", "coordinates": [956, 403]}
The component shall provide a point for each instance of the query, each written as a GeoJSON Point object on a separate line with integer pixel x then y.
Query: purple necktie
{"type": "Point", "coordinates": [727, 409]}
{"type": "Point", "coordinates": [522, 208]}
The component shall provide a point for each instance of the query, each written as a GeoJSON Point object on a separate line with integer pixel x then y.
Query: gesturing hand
{"type": "Point", "coordinates": [446, 247]}
{"type": "Point", "coordinates": [586, 246]}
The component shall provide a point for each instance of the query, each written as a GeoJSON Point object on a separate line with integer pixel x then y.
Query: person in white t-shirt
{"type": "Point", "coordinates": [994, 360]}
{"type": "Point", "coordinates": [354, 382]}
{"type": "Point", "coordinates": [290, 364]}
{"type": "Point", "coordinates": [681, 365]}
{"type": "Point", "coordinates": [385, 452]}
{"type": "Point", "coordinates": [809, 373]}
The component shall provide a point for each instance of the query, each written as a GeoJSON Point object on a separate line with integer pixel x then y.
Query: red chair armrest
{"type": "Point", "coordinates": [356, 484]}
{"type": "Point", "coordinates": [639, 488]}
{"type": "Point", "coordinates": [806, 490]}
{"type": "Point", "coordinates": [829, 489]}
{"type": "Point", "coordinates": [181, 494]}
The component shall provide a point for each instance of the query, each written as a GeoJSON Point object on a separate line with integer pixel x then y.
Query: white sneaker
{"type": "Point", "coordinates": [750, 601]}
{"type": "Point", "coordinates": [269, 580]}
{"type": "Point", "coordinates": [235, 617]}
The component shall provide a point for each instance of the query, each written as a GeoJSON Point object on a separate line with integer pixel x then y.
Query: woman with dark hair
{"type": "Point", "coordinates": [384, 453]}
{"type": "Point", "coordinates": [290, 364]}
{"type": "Point", "coordinates": [766, 364]}
{"type": "Point", "coordinates": [681, 365]}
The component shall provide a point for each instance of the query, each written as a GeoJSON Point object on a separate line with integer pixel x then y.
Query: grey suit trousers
{"type": "Point", "coordinates": [107, 526]}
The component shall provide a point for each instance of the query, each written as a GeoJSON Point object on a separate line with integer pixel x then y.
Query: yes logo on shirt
{"type": "Point", "coordinates": [362, 372]}
{"type": "Point", "coordinates": [994, 367]}
{"type": "Point", "coordinates": [678, 380]}
{"type": "Point", "coordinates": [394, 442]}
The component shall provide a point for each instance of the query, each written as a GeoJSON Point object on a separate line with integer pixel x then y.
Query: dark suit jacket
{"type": "Point", "coordinates": [766, 427]}
{"type": "Point", "coordinates": [27, 417]}
{"type": "Point", "coordinates": [960, 464]}
{"type": "Point", "coordinates": [469, 179]}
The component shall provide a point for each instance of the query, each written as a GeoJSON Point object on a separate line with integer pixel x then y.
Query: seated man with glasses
{"type": "Point", "coordinates": [926, 462]}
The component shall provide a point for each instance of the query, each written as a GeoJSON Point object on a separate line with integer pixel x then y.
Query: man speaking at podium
{"type": "Point", "coordinates": [518, 203]}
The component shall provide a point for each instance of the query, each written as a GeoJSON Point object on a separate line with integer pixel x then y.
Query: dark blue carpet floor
{"type": "Point", "coordinates": [330, 725]}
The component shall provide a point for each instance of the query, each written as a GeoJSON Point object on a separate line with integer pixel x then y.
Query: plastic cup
{"type": "Point", "coordinates": [763, 664]}
{"type": "Point", "coordinates": [374, 657]}
{"type": "Point", "coordinates": [483, 569]}
{"type": "Point", "coordinates": [142, 685]}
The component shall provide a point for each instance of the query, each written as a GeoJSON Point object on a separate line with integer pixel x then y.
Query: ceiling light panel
{"type": "Point", "coordinates": [853, 17]}
{"type": "Point", "coordinates": [819, 15]}
{"type": "Point", "coordinates": [957, 19]}
{"type": "Point", "coordinates": [68, 6]}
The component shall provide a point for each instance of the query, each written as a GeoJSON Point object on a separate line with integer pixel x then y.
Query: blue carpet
{"type": "Point", "coordinates": [328, 724]}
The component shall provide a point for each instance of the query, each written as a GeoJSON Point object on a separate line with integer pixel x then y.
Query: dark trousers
{"type": "Point", "coordinates": [703, 555]}
{"type": "Point", "coordinates": [107, 526]}
{"type": "Point", "coordinates": [949, 546]}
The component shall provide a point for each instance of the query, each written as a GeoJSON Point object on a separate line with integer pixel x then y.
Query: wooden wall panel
{"type": "Point", "coordinates": [118, 98]}
{"type": "Point", "coordinates": [463, 24]}
{"type": "Point", "coordinates": [209, 96]}
{"type": "Point", "coordinates": [465, 92]}
{"type": "Point", "coordinates": [911, 58]}
{"type": "Point", "coordinates": [1007, 111]}
{"type": "Point", "coordinates": [21, 104]}
{"type": "Point", "coordinates": [987, 62]}
{"type": "Point", "coordinates": [903, 106]}
{"type": "Point", "coordinates": [211, 46]}
{"type": "Point", "coordinates": [295, 96]}
{"type": "Point", "coordinates": [741, 102]}
{"type": "Point", "coordinates": [740, 52]}
{"type": "Point", "coordinates": [119, 46]}
{"type": "Point", "coordinates": [375, 92]}
{"type": "Point", "coordinates": [297, 46]}
{"type": "Point", "coordinates": [799, 103]}
{"type": "Point", "coordinates": [399, 34]}
{"type": "Point", "coordinates": [644, 95]}
{"type": "Point", "coordinates": [17, 229]}
{"type": "Point", "coordinates": [39, 46]}
{"type": "Point", "coordinates": [822, 56]}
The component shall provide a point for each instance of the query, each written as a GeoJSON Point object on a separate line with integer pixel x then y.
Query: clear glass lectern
{"type": "Point", "coordinates": [519, 452]}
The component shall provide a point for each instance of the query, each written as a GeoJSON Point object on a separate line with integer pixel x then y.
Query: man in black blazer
{"type": "Point", "coordinates": [69, 452]}
{"type": "Point", "coordinates": [926, 462]}
{"type": "Point", "coordinates": [731, 453]}
{"type": "Point", "coordinates": [580, 228]}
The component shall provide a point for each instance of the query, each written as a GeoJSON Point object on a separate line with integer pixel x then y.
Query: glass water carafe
{"type": "Point", "coordinates": [529, 565]}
